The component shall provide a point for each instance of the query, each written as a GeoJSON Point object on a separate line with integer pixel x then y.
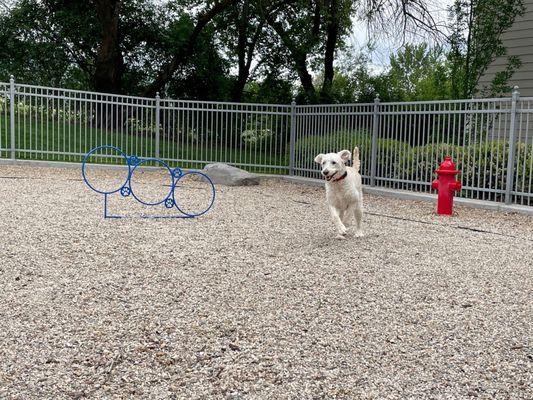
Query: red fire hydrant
{"type": "Point", "coordinates": [446, 185]}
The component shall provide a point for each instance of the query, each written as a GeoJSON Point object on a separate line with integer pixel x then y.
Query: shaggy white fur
{"type": "Point", "coordinates": [344, 189]}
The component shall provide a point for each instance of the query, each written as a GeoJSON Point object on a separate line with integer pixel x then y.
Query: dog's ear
{"type": "Point", "coordinates": [345, 155]}
{"type": "Point", "coordinates": [318, 159]}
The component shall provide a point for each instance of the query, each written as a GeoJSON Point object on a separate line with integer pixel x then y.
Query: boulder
{"type": "Point", "coordinates": [224, 174]}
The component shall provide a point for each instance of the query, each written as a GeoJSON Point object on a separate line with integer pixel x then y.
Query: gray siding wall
{"type": "Point", "coordinates": [518, 41]}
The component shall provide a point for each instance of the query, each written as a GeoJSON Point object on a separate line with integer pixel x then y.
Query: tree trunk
{"type": "Point", "coordinates": [242, 24]}
{"type": "Point", "coordinates": [332, 29]}
{"type": "Point", "coordinates": [246, 51]}
{"type": "Point", "coordinates": [467, 89]}
{"type": "Point", "coordinates": [306, 79]}
{"type": "Point", "coordinates": [109, 65]}
{"type": "Point", "coordinates": [299, 57]}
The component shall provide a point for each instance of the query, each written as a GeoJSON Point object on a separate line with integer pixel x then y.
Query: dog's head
{"type": "Point", "coordinates": [333, 164]}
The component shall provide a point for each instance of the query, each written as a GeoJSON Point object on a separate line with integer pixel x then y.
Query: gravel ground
{"type": "Point", "coordinates": [255, 300]}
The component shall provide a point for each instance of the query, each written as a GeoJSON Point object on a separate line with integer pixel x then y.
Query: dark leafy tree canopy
{"type": "Point", "coordinates": [252, 50]}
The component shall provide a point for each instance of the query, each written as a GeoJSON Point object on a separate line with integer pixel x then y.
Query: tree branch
{"type": "Point", "coordinates": [181, 56]}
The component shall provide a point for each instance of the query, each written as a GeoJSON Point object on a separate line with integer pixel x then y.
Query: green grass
{"type": "Point", "coordinates": [50, 138]}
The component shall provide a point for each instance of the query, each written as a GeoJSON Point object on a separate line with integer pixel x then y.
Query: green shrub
{"type": "Point", "coordinates": [524, 163]}
{"type": "Point", "coordinates": [424, 160]}
{"type": "Point", "coordinates": [255, 137]}
{"type": "Point", "coordinates": [486, 163]}
{"type": "Point", "coordinates": [258, 132]}
{"type": "Point", "coordinates": [390, 152]}
{"type": "Point", "coordinates": [482, 164]}
{"type": "Point", "coordinates": [308, 147]}
{"type": "Point", "coordinates": [392, 158]}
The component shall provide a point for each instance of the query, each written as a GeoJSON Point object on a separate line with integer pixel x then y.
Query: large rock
{"type": "Point", "coordinates": [224, 174]}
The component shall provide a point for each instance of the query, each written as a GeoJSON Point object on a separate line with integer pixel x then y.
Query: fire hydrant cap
{"type": "Point", "coordinates": [447, 167]}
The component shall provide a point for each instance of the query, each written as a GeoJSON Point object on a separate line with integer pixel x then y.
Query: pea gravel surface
{"type": "Point", "coordinates": [257, 299]}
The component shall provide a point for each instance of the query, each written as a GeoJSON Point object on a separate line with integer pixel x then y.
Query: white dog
{"type": "Point", "coordinates": [344, 189]}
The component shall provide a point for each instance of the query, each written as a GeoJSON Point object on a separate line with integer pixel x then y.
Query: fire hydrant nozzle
{"type": "Point", "coordinates": [446, 185]}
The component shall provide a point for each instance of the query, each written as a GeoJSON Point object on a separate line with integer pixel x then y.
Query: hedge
{"type": "Point", "coordinates": [398, 160]}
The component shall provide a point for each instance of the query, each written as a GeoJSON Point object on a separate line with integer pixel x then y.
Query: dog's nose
{"type": "Point", "coordinates": [325, 172]}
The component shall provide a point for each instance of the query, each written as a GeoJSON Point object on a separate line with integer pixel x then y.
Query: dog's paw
{"type": "Point", "coordinates": [341, 237]}
{"type": "Point", "coordinates": [359, 234]}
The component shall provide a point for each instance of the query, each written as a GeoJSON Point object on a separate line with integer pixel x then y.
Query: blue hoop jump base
{"type": "Point", "coordinates": [126, 188]}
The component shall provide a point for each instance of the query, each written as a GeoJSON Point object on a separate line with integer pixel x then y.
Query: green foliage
{"type": "Point", "coordinates": [205, 77]}
{"type": "Point", "coordinates": [499, 84]}
{"type": "Point", "coordinates": [255, 137]}
{"type": "Point", "coordinates": [418, 72]}
{"type": "Point", "coordinates": [476, 42]}
{"type": "Point", "coordinates": [74, 136]}
{"type": "Point", "coordinates": [392, 158]}
{"type": "Point", "coordinates": [254, 51]}
{"type": "Point", "coordinates": [332, 143]}
{"type": "Point", "coordinates": [271, 90]}
{"type": "Point", "coordinates": [309, 146]}
{"type": "Point", "coordinates": [36, 42]}
{"type": "Point", "coordinates": [484, 162]}
{"type": "Point", "coordinates": [257, 132]}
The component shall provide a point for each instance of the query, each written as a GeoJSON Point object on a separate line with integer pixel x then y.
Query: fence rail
{"type": "Point", "coordinates": [401, 144]}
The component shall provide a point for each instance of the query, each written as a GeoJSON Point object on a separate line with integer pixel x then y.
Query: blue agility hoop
{"type": "Point", "coordinates": [126, 189]}
{"type": "Point", "coordinates": [84, 162]}
{"type": "Point", "coordinates": [213, 193]}
{"type": "Point", "coordinates": [171, 182]}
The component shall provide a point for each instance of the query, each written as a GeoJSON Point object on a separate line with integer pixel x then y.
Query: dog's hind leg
{"type": "Point", "coordinates": [335, 215]}
{"type": "Point", "coordinates": [358, 214]}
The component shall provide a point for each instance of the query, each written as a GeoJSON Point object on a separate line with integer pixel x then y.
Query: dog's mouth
{"type": "Point", "coordinates": [330, 177]}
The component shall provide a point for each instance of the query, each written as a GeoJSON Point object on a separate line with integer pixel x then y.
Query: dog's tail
{"type": "Point", "coordinates": [355, 158]}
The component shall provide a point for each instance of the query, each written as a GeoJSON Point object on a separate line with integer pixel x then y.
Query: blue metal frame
{"type": "Point", "coordinates": [126, 188]}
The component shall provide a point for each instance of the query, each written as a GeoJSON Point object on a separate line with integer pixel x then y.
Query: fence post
{"type": "Point", "coordinates": [292, 138]}
{"type": "Point", "coordinates": [512, 143]}
{"type": "Point", "coordinates": [374, 151]}
{"type": "Point", "coordinates": [12, 113]}
{"type": "Point", "coordinates": [157, 123]}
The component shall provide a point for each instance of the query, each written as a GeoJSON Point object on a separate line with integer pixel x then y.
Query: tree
{"type": "Point", "coordinates": [272, 89]}
{"type": "Point", "coordinates": [476, 41]}
{"type": "Point", "coordinates": [312, 32]}
{"type": "Point", "coordinates": [415, 73]}
{"type": "Point", "coordinates": [419, 72]}
{"type": "Point", "coordinates": [185, 49]}
{"type": "Point", "coordinates": [190, 48]}
{"type": "Point", "coordinates": [297, 25]}
{"type": "Point", "coordinates": [48, 42]}
{"type": "Point", "coordinates": [205, 74]}
{"type": "Point", "coordinates": [242, 30]}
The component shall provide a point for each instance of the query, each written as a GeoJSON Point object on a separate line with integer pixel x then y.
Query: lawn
{"type": "Point", "coordinates": [50, 139]}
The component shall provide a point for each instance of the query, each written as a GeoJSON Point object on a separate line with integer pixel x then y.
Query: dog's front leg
{"type": "Point", "coordinates": [346, 216]}
{"type": "Point", "coordinates": [341, 229]}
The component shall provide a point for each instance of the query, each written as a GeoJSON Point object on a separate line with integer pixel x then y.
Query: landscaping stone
{"type": "Point", "coordinates": [224, 174]}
